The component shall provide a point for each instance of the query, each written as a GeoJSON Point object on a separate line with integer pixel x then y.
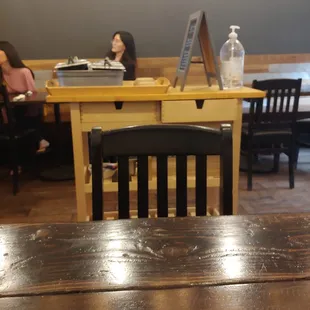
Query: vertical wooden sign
{"type": "Point", "coordinates": [197, 27]}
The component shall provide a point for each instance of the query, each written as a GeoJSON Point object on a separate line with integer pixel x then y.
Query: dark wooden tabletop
{"type": "Point", "coordinates": [194, 260]}
{"type": "Point", "coordinates": [258, 296]}
{"type": "Point", "coordinates": [37, 97]}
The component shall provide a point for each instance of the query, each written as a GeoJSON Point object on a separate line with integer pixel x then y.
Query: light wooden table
{"type": "Point", "coordinates": [98, 108]}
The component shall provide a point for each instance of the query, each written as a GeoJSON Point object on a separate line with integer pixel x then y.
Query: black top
{"type": "Point", "coordinates": [130, 74]}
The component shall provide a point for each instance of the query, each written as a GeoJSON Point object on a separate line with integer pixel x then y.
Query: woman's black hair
{"type": "Point", "coordinates": [12, 56]}
{"type": "Point", "coordinates": [129, 56]}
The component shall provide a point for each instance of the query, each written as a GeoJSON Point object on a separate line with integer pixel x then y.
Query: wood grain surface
{"type": "Point", "coordinates": [258, 296]}
{"type": "Point", "coordinates": [153, 254]}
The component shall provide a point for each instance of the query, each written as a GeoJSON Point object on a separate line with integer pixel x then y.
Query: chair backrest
{"type": "Point", "coordinates": [162, 141]}
{"type": "Point", "coordinates": [280, 106]}
{"type": "Point", "coordinates": [7, 110]}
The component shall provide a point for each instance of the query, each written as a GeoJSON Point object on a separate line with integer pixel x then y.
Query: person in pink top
{"type": "Point", "coordinates": [19, 79]}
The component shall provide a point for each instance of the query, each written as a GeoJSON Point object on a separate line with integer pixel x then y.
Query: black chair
{"type": "Point", "coordinates": [14, 140]}
{"type": "Point", "coordinates": [272, 125]}
{"type": "Point", "coordinates": [161, 141]}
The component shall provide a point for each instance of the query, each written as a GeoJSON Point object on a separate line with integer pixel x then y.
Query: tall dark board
{"type": "Point", "coordinates": [57, 28]}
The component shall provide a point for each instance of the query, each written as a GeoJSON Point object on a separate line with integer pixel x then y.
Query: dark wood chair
{"type": "Point", "coordinates": [16, 142]}
{"type": "Point", "coordinates": [162, 141]}
{"type": "Point", "coordinates": [272, 124]}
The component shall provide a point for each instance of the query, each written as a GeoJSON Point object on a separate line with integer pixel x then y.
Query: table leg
{"type": "Point", "coordinates": [80, 158]}
{"type": "Point", "coordinates": [237, 125]}
{"type": "Point", "coordinates": [58, 171]}
{"type": "Point", "coordinates": [57, 113]}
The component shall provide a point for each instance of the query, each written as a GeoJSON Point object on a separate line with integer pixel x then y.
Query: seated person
{"type": "Point", "coordinates": [19, 79]}
{"type": "Point", "coordinates": [124, 51]}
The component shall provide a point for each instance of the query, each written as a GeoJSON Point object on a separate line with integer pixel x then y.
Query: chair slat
{"type": "Point", "coordinates": [201, 185]}
{"type": "Point", "coordinates": [143, 187]}
{"type": "Point", "coordinates": [181, 188]}
{"type": "Point", "coordinates": [268, 101]}
{"type": "Point", "coordinates": [162, 186]}
{"type": "Point", "coordinates": [283, 94]}
{"type": "Point", "coordinates": [259, 110]}
{"type": "Point", "coordinates": [275, 101]}
{"type": "Point", "coordinates": [123, 187]}
{"type": "Point", "coordinates": [289, 96]}
{"type": "Point", "coordinates": [97, 183]}
{"type": "Point", "coordinates": [226, 171]}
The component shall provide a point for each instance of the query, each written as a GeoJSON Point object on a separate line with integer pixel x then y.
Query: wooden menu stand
{"type": "Point", "coordinates": [198, 28]}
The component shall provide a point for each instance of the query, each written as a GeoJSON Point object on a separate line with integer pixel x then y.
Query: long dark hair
{"type": "Point", "coordinates": [12, 55]}
{"type": "Point", "coordinates": [129, 56]}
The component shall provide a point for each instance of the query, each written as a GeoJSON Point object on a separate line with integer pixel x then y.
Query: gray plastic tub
{"type": "Point", "coordinates": [90, 78]}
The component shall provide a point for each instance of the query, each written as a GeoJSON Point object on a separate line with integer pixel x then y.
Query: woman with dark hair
{"type": "Point", "coordinates": [19, 79]}
{"type": "Point", "coordinates": [124, 51]}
